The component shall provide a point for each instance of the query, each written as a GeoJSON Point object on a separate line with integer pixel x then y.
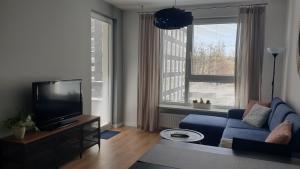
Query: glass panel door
{"type": "Point", "coordinates": [101, 68]}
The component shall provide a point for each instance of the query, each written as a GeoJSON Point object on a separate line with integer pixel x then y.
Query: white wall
{"type": "Point", "coordinates": [275, 36]}
{"type": "Point", "coordinates": [45, 40]}
{"type": "Point", "coordinates": [130, 46]}
{"type": "Point", "coordinates": [291, 86]}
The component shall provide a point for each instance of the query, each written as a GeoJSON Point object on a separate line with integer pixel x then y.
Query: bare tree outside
{"type": "Point", "coordinates": [212, 64]}
{"type": "Point", "coordinates": [212, 60]}
{"type": "Point", "coordinates": [213, 57]}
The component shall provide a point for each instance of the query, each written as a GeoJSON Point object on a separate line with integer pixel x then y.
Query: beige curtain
{"type": "Point", "coordinates": [149, 74]}
{"type": "Point", "coordinates": [249, 54]}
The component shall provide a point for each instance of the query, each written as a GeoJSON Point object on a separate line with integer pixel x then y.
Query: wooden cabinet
{"type": "Point", "coordinates": [51, 149]}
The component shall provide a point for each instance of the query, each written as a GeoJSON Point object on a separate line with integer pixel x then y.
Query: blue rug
{"type": "Point", "coordinates": [107, 134]}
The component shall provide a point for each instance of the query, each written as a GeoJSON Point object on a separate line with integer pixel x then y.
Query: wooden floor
{"type": "Point", "coordinates": [119, 152]}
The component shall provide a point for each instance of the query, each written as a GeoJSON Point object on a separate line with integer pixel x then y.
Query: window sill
{"type": "Point", "coordinates": [185, 109]}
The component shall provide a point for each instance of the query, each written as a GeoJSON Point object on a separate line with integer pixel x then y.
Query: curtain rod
{"type": "Point", "coordinates": [214, 7]}
{"type": "Point", "coordinates": [230, 6]}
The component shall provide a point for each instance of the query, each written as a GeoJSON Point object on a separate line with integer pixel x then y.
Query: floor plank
{"type": "Point", "coordinates": [119, 152]}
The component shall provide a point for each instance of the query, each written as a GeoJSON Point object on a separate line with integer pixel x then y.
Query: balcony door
{"type": "Point", "coordinates": [101, 68]}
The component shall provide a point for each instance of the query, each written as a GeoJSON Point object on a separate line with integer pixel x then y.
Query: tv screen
{"type": "Point", "coordinates": [55, 101]}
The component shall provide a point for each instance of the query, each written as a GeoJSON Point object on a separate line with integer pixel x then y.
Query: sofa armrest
{"type": "Point", "coordinates": [236, 113]}
{"type": "Point", "coordinates": [261, 147]}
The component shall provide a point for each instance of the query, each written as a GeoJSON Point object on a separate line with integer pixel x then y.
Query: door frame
{"type": "Point", "coordinates": [108, 20]}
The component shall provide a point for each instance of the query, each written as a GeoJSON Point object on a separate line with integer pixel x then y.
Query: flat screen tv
{"type": "Point", "coordinates": [55, 103]}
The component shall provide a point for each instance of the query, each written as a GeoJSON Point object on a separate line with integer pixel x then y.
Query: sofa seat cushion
{"type": "Point", "coordinates": [234, 123]}
{"type": "Point", "coordinates": [200, 121]}
{"type": "Point", "coordinates": [212, 127]}
{"type": "Point", "coordinates": [248, 134]}
{"type": "Point", "coordinates": [279, 115]}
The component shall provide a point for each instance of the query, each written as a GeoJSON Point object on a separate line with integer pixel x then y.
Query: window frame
{"type": "Point", "coordinates": [110, 61]}
{"type": "Point", "coordinates": [189, 77]}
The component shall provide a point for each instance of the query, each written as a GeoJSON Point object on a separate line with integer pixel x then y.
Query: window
{"type": "Point", "coordinates": [101, 67]}
{"type": "Point", "coordinates": [200, 60]}
{"type": "Point", "coordinates": [173, 65]}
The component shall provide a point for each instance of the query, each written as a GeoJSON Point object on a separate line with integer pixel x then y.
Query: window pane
{"type": "Point", "coordinates": [214, 49]}
{"type": "Point", "coordinates": [173, 67]}
{"type": "Point", "coordinates": [221, 94]}
{"type": "Point", "coordinates": [100, 53]}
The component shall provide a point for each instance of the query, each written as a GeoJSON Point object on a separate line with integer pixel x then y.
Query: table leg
{"type": "Point", "coordinates": [99, 130]}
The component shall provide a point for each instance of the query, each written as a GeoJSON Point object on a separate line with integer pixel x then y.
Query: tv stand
{"type": "Point", "coordinates": [51, 149]}
{"type": "Point", "coordinates": [66, 123]}
{"type": "Point", "coordinates": [58, 125]}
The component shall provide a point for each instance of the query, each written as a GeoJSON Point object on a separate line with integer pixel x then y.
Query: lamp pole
{"type": "Point", "coordinates": [274, 68]}
{"type": "Point", "coordinates": [274, 52]}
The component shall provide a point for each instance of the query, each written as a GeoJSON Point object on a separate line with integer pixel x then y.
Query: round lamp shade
{"type": "Point", "coordinates": [172, 18]}
{"type": "Point", "coordinates": [275, 50]}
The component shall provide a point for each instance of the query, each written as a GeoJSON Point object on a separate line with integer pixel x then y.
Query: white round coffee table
{"type": "Point", "coordinates": [182, 135]}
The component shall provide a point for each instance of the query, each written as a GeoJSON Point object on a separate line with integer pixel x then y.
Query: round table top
{"type": "Point", "coordinates": [182, 135]}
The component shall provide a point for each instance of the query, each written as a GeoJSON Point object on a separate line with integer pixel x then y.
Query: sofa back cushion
{"type": "Point", "coordinates": [295, 142]}
{"type": "Point", "coordinates": [279, 115]}
{"type": "Point", "coordinates": [275, 102]}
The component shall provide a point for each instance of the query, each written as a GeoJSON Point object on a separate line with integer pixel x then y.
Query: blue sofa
{"type": "Point", "coordinates": [216, 128]}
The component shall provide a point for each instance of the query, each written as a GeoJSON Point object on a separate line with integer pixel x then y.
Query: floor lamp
{"type": "Point", "coordinates": [274, 52]}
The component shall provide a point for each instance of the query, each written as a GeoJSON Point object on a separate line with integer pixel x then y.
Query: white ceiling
{"type": "Point", "coordinates": [150, 4]}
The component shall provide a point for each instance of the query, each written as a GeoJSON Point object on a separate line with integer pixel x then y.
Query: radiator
{"type": "Point", "coordinates": [168, 120]}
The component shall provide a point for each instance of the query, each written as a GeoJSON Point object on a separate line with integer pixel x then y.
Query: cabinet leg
{"type": "Point", "coordinates": [99, 131]}
{"type": "Point", "coordinates": [81, 142]}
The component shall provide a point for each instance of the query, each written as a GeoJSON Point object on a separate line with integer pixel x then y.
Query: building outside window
{"type": "Point", "coordinates": [173, 65]}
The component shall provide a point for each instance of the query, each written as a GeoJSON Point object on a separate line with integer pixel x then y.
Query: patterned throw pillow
{"type": "Point", "coordinates": [253, 102]}
{"type": "Point", "coordinates": [282, 134]}
{"type": "Point", "coordinates": [257, 115]}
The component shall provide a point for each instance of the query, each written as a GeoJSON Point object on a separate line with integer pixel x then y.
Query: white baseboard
{"type": "Point", "coordinates": [118, 125]}
{"type": "Point", "coordinates": [131, 124]}
{"type": "Point", "coordinates": [106, 127]}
